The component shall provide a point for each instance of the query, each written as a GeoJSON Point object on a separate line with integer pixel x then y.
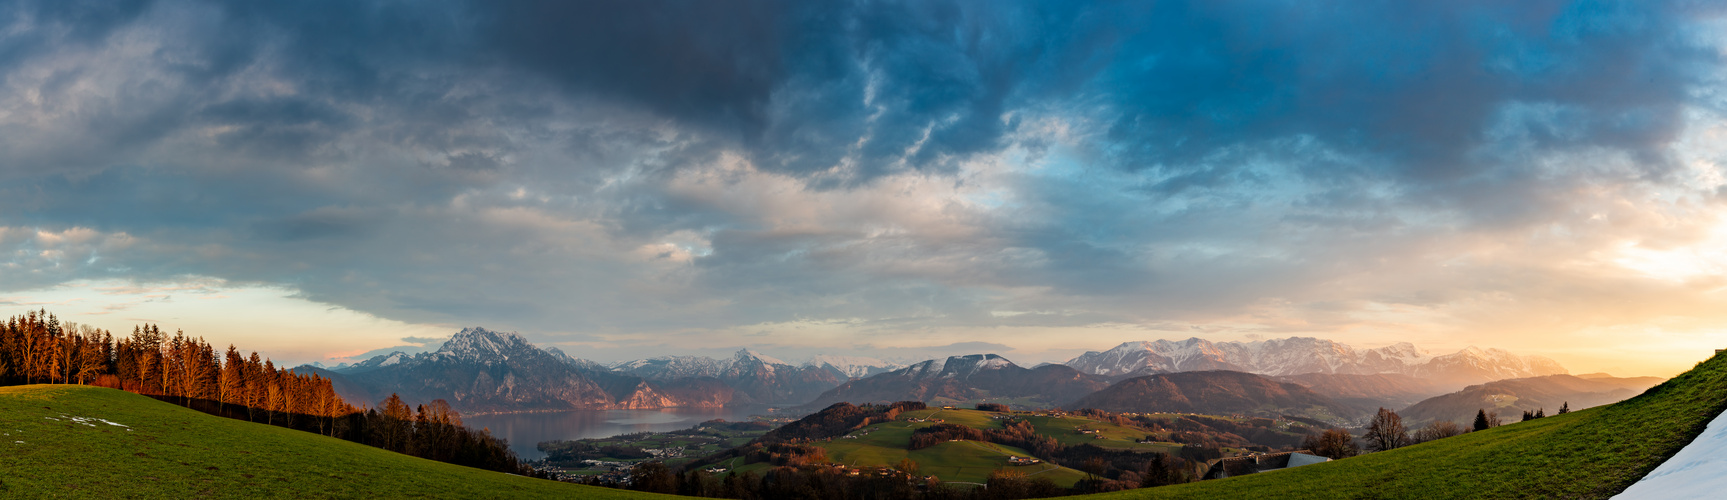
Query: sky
{"type": "Point", "coordinates": [322, 180]}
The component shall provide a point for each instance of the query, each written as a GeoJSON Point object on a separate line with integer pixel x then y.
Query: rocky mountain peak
{"type": "Point", "coordinates": [476, 343]}
{"type": "Point", "coordinates": [746, 355]}
{"type": "Point", "coordinates": [850, 366]}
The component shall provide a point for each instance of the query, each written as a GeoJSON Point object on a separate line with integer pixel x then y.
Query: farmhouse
{"type": "Point", "coordinates": [1236, 466]}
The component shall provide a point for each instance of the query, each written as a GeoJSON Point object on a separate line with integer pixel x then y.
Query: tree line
{"type": "Point", "coordinates": [37, 348]}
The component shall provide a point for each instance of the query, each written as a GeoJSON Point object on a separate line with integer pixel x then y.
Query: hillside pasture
{"type": "Point", "coordinates": [72, 441]}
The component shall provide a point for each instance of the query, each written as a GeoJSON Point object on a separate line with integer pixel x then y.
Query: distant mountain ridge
{"type": "Point", "coordinates": [1214, 392]}
{"type": "Point", "coordinates": [963, 378]}
{"type": "Point", "coordinates": [669, 367]}
{"type": "Point", "coordinates": [1367, 393]}
{"type": "Point", "coordinates": [1301, 355]}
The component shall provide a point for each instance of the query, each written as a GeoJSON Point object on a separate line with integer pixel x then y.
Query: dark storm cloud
{"type": "Point", "coordinates": [1414, 85]}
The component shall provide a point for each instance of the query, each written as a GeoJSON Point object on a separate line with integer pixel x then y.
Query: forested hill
{"type": "Point", "coordinates": [1214, 393]}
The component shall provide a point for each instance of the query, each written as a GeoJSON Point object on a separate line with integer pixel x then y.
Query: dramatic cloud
{"type": "Point", "coordinates": [627, 178]}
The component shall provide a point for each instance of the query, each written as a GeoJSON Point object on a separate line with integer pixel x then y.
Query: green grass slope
{"type": "Point", "coordinates": [165, 451]}
{"type": "Point", "coordinates": [885, 444]}
{"type": "Point", "coordinates": [1592, 453]}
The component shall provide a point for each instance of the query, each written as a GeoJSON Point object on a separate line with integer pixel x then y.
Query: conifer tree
{"type": "Point", "coordinates": [233, 382]}
{"type": "Point", "coordinates": [1481, 419]}
{"type": "Point", "coordinates": [1565, 408]}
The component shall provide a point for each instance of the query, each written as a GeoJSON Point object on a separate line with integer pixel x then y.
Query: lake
{"type": "Point", "coordinates": [527, 430]}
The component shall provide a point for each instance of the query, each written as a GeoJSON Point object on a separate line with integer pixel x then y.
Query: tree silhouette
{"type": "Point", "coordinates": [1335, 444]}
{"type": "Point", "coordinates": [1481, 419]}
{"type": "Point", "coordinates": [1386, 431]}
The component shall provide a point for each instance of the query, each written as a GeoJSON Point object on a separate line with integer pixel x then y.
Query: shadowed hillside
{"type": "Point", "coordinates": [1213, 392]}
{"type": "Point", "coordinates": [1367, 393]}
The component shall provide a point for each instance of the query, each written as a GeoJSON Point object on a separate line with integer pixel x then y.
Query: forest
{"type": "Point", "coordinates": [37, 348]}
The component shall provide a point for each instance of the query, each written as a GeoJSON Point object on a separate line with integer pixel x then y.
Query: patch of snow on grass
{"type": "Point", "coordinates": [1698, 471]}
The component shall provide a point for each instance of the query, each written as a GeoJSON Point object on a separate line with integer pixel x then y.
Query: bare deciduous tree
{"type": "Point", "coordinates": [1438, 430]}
{"type": "Point", "coordinates": [1334, 444]}
{"type": "Point", "coordinates": [1386, 432]}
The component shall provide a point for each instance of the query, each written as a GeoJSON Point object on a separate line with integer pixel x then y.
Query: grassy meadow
{"type": "Point", "coordinates": [62, 441]}
{"type": "Point", "coordinates": [885, 444]}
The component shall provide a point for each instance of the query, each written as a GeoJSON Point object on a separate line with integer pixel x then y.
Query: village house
{"type": "Point", "coordinates": [1237, 466]}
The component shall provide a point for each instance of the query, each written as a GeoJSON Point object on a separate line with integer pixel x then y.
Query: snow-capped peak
{"type": "Point", "coordinates": [955, 366]}
{"type": "Point", "coordinates": [850, 366]}
{"type": "Point", "coordinates": [744, 354]}
{"type": "Point", "coordinates": [477, 343]}
{"type": "Point", "coordinates": [395, 357]}
{"type": "Point", "coordinates": [1298, 355]}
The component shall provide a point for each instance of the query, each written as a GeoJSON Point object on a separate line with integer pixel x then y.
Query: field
{"type": "Point", "coordinates": [971, 461]}
{"type": "Point", "coordinates": [63, 441]}
{"type": "Point", "coordinates": [680, 447]}
{"type": "Point", "coordinates": [1592, 453]}
{"type": "Point", "coordinates": [1107, 435]}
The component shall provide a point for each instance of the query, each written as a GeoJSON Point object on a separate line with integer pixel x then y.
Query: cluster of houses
{"type": "Point", "coordinates": [554, 472]}
{"type": "Point", "coordinates": [1012, 460]}
{"type": "Point", "coordinates": [862, 433]}
{"type": "Point", "coordinates": [676, 452]}
{"type": "Point", "coordinates": [619, 475]}
{"type": "Point", "coordinates": [878, 472]}
{"type": "Point", "coordinates": [1095, 433]}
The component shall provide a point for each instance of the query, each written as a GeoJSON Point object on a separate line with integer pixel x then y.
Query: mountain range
{"type": "Point", "coordinates": [479, 370]}
{"type": "Point", "coordinates": [1302, 355]}
{"type": "Point", "coordinates": [976, 377]}
{"type": "Point", "coordinates": [1217, 392]}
